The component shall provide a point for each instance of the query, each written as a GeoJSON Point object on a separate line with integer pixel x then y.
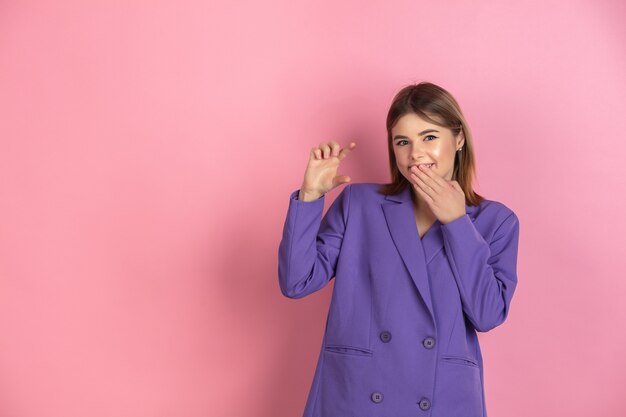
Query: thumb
{"type": "Point", "coordinates": [340, 179]}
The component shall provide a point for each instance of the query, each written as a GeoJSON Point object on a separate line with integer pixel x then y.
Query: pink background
{"type": "Point", "coordinates": [148, 150]}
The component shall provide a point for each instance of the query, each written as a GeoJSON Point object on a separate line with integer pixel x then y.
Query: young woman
{"type": "Point", "coordinates": [420, 265]}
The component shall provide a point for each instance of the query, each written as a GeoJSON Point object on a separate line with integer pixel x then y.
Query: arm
{"type": "Point", "coordinates": [309, 249]}
{"type": "Point", "coordinates": [486, 273]}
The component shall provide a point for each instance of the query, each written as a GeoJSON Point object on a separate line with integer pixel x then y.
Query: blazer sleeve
{"type": "Point", "coordinates": [310, 244]}
{"type": "Point", "coordinates": [486, 273]}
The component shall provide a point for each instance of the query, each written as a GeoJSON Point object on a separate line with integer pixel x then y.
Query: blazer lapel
{"type": "Point", "coordinates": [398, 210]}
{"type": "Point", "coordinates": [416, 253]}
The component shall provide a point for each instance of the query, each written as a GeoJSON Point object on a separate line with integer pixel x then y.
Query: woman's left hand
{"type": "Point", "coordinates": [445, 198]}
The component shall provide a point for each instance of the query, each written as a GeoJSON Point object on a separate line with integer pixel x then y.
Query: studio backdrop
{"type": "Point", "coordinates": [148, 150]}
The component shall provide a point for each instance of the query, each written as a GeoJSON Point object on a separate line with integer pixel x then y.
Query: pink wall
{"type": "Point", "coordinates": [148, 151]}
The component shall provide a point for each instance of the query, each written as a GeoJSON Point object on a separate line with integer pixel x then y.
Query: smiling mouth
{"type": "Point", "coordinates": [429, 165]}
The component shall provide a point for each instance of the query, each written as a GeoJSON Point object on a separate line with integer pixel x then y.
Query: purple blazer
{"type": "Point", "coordinates": [400, 336]}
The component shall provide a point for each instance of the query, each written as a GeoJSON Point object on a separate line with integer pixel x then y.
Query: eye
{"type": "Point", "coordinates": [400, 142]}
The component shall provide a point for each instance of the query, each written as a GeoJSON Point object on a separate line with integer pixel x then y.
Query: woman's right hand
{"type": "Point", "coordinates": [321, 172]}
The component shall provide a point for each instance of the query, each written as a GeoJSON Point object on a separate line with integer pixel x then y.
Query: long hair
{"type": "Point", "coordinates": [430, 102]}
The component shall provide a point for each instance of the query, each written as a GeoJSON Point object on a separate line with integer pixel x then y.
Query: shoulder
{"type": "Point", "coordinates": [358, 197]}
{"type": "Point", "coordinates": [493, 215]}
{"type": "Point", "coordinates": [491, 208]}
{"type": "Point", "coordinates": [362, 191]}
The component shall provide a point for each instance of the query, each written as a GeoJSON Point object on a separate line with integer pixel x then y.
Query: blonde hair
{"type": "Point", "coordinates": [435, 104]}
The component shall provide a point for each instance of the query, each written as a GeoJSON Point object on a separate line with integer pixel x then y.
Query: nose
{"type": "Point", "coordinates": [417, 152]}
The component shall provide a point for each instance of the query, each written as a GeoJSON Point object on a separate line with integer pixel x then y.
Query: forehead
{"type": "Point", "coordinates": [412, 121]}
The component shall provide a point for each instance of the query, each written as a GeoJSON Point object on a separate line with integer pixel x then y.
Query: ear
{"type": "Point", "coordinates": [460, 139]}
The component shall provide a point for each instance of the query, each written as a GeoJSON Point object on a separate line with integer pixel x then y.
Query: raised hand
{"type": "Point", "coordinates": [445, 198]}
{"type": "Point", "coordinates": [321, 172]}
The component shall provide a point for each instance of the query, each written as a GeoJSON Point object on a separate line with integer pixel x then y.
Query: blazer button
{"type": "Point", "coordinates": [424, 404]}
{"type": "Point", "coordinates": [377, 397]}
{"type": "Point", "coordinates": [385, 336]}
{"type": "Point", "coordinates": [429, 342]}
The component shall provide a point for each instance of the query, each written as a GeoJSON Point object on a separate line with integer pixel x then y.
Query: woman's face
{"type": "Point", "coordinates": [416, 141]}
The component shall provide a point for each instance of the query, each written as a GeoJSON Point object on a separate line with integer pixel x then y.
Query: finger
{"type": "Point", "coordinates": [426, 188]}
{"type": "Point", "coordinates": [421, 177]}
{"type": "Point", "coordinates": [325, 149]}
{"type": "Point", "coordinates": [424, 194]}
{"type": "Point", "coordinates": [335, 147]}
{"type": "Point", "coordinates": [454, 186]}
{"type": "Point", "coordinates": [432, 178]}
{"type": "Point", "coordinates": [345, 151]}
{"type": "Point", "coordinates": [318, 153]}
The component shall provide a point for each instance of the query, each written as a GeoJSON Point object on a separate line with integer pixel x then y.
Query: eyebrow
{"type": "Point", "coordinates": [423, 132]}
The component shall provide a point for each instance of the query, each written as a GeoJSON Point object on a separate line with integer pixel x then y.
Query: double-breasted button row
{"type": "Point", "coordinates": [428, 342]}
{"type": "Point", "coordinates": [377, 397]}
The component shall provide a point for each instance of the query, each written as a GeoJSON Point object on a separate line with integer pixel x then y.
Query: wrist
{"type": "Point", "coordinates": [305, 195]}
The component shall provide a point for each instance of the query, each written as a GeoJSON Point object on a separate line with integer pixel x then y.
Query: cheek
{"type": "Point", "coordinates": [401, 158]}
{"type": "Point", "coordinates": [444, 155]}
{"type": "Point", "coordinates": [439, 152]}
